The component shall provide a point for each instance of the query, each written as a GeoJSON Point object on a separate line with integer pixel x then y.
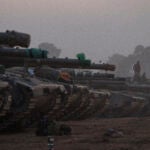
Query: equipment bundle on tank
{"type": "Point", "coordinates": [13, 38]}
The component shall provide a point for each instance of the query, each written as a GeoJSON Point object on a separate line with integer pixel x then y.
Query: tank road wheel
{"type": "Point", "coordinates": [73, 103]}
{"type": "Point", "coordinates": [81, 104]}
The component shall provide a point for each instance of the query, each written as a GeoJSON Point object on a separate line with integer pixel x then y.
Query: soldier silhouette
{"type": "Point", "coordinates": [137, 71]}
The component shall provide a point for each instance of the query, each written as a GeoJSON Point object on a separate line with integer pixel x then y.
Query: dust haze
{"type": "Point", "coordinates": [124, 64]}
{"type": "Point", "coordinates": [97, 28]}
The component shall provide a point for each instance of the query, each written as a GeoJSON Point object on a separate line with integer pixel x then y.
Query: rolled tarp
{"type": "Point", "coordinates": [13, 38]}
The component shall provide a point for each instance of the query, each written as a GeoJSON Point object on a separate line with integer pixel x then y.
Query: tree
{"type": "Point", "coordinates": [138, 50]}
{"type": "Point", "coordinates": [53, 51]}
{"type": "Point", "coordinates": [116, 58]}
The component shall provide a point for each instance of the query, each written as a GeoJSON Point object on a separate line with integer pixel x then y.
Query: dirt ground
{"type": "Point", "coordinates": [87, 135]}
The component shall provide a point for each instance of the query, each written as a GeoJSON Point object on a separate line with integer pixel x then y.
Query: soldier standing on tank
{"type": "Point", "coordinates": [137, 71]}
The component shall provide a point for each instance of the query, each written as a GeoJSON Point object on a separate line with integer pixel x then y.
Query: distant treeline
{"type": "Point", "coordinates": [125, 64]}
{"type": "Point", "coordinates": [53, 51]}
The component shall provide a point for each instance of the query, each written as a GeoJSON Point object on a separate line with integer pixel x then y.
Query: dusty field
{"type": "Point", "coordinates": [87, 135]}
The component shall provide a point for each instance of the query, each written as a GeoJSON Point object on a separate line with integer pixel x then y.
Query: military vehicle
{"type": "Point", "coordinates": [33, 85]}
{"type": "Point", "coordinates": [127, 97]}
{"type": "Point", "coordinates": [25, 96]}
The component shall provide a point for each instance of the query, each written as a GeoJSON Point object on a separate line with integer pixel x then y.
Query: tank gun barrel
{"type": "Point", "coordinates": [107, 67]}
{"type": "Point", "coordinates": [53, 62]}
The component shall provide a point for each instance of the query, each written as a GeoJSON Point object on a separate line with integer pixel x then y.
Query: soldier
{"type": "Point", "coordinates": [42, 128]}
{"type": "Point", "coordinates": [55, 128]}
{"type": "Point", "coordinates": [137, 71]}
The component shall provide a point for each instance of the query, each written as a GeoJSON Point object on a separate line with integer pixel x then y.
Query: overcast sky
{"type": "Point", "coordinates": [98, 28]}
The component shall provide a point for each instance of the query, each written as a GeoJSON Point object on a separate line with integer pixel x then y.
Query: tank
{"type": "Point", "coordinates": [34, 85]}
{"type": "Point", "coordinates": [25, 96]}
{"type": "Point", "coordinates": [126, 99]}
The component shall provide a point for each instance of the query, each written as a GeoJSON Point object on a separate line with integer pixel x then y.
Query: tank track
{"type": "Point", "coordinates": [125, 105]}
{"type": "Point", "coordinates": [23, 101]}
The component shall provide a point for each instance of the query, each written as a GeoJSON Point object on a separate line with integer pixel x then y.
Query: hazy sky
{"type": "Point", "coordinates": [97, 27]}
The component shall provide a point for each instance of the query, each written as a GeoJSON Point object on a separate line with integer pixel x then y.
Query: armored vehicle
{"type": "Point", "coordinates": [33, 85]}
{"type": "Point", "coordinates": [25, 96]}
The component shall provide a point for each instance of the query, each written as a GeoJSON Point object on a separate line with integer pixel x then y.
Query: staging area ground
{"type": "Point", "coordinates": [87, 135]}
